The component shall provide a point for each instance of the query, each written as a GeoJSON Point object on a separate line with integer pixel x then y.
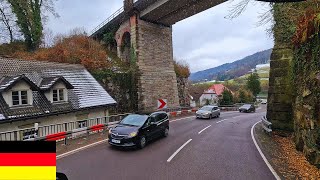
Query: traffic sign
{"type": "Point", "coordinates": [162, 103]}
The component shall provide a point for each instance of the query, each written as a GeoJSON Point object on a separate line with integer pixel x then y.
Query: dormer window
{"type": "Point", "coordinates": [55, 89]}
{"type": "Point", "coordinates": [19, 98]}
{"type": "Point", "coordinates": [17, 90]}
{"type": "Point", "coordinates": [58, 95]}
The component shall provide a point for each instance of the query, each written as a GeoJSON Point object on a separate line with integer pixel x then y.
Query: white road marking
{"type": "Point", "coordinates": [80, 149]}
{"type": "Point", "coordinates": [204, 129]}
{"type": "Point", "coordinates": [100, 142]}
{"type": "Point", "coordinates": [178, 150]}
{"type": "Point", "coordinates": [221, 121]}
{"type": "Point", "coordinates": [262, 155]}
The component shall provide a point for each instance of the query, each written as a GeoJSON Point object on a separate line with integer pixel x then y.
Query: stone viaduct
{"type": "Point", "coordinates": [144, 29]}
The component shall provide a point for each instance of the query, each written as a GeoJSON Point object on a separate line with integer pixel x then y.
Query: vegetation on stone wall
{"type": "Point", "coordinates": [122, 86]}
{"type": "Point", "coordinates": [307, 98]}
{"type": "Point", "coordinates": [182, 69]}
{"type": "Point", "coordinates": [297, 27]}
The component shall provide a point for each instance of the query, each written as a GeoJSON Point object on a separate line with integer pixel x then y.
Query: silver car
{"type": "Point", "coordinates": [208, 112]}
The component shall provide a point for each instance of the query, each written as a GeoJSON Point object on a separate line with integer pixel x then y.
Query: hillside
{"type": "Point", "coordinates": [232, 70]}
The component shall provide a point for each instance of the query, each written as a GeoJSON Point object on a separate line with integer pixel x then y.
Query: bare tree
{"type": "Point", "coordinates": [47, 38]}
{"type": "Point", "coordinates": [78, 31]}
{"type": "Point", "coordinates": [47, 7]}
{"type": "Point", "coordinates": [237, 9]}
{"type": "Point", "coordinates": [264, 18]}
{"type": "Point", "coordinates": [8, 25]}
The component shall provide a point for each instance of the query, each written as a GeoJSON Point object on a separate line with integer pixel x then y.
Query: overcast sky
{"type": "Point", "coordinates": [205, 40]}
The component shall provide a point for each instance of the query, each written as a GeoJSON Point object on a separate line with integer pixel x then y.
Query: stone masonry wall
{"type": "Point", "coordinates": [154, 52]}
{"type": "Point", "coordinates": [279, 110]}
{"type": "Point", "coordinates": [306, 104]}
{"type": "Point", "coordinates": [183, 90]}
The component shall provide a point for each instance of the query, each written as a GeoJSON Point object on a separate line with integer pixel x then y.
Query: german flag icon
{"type": "Point", "coordinates": [27, 160]}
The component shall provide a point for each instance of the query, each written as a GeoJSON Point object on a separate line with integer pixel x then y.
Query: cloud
{"type": "Point", "coordinates": [209, 39]}
{"type": "Point", "coordinates": [205, 40]}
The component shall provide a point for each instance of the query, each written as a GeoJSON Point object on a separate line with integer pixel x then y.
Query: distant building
{"type": "Point", "coordinates": [48, 93]}
{"type": "Point", "coordinates": [213, 94]}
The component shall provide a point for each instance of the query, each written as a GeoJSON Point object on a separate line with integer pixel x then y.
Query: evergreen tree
{"type": "Point", "coordinates": [253, 83]}
{"type": "Point", "coordinates": [227, 97]}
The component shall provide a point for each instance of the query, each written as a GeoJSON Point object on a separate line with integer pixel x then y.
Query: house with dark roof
{"type": "Point", "coordinates": [48, 93]}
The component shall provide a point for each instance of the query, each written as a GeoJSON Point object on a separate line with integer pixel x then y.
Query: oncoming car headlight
{"type": "Point", "coordinates": [133, 134]}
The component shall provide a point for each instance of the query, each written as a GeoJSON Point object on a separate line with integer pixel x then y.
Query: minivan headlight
{"type": "Point", "coordinates": [133, 134]}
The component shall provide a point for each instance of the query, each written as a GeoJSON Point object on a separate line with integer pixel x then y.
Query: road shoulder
{"type": "Point", "coordinates": [283, 157]}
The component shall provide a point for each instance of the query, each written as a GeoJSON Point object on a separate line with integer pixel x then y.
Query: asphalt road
{"type": "Point", "coordinates": [220, 148]}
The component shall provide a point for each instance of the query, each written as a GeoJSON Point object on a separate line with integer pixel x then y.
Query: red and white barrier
{"type": "Point", "coordinates": [182, 112]}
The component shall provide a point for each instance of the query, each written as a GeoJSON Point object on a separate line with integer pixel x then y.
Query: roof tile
{"type": "Point", "coordinates": [86, 92]}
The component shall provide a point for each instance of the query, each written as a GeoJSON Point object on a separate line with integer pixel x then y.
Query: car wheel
{"type": "Point", "coordinates": [166, 132]}
{"type": "Point", "coordinates": [210, 117]}
{"type": "Point", "coordinates": [218, 115]}
{"type": "Point", "coordinates": [142, 142]}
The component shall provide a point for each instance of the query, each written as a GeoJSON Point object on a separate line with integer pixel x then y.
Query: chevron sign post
{"type": "Point", "coordinates": [162, 103]}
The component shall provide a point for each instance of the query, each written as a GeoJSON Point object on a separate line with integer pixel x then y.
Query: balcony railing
{"type": "Point", "coordinates": [117, 13]}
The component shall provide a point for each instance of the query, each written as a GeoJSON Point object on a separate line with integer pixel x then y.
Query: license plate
{"type": "Point", "coordinates": [115, 141]}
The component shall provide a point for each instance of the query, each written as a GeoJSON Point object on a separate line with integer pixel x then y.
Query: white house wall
{"type": "Point", "coordinates": [210, 97]}
{"type": "Point", "coordinates": [20, 86]}
{"type": "Point", "coordinates": [57, 119]}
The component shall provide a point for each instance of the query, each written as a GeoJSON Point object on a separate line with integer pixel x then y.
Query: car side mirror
{"type": "Point", "coordinates": [61, 176]}
{"type": "Point", "coordinates": [152, 123]}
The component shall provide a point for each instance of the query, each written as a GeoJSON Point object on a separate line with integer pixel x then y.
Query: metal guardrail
{"type": "Point", "coordinates": [266, 125]}
{"type": "Point", "coordinates": [43, 131]}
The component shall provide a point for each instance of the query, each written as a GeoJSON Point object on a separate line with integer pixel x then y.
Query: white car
{"type": "Point", "coordinates": [208, 112]}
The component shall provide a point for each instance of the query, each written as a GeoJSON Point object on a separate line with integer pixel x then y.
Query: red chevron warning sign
{"type": "Point", "coordinates": [162, 103]}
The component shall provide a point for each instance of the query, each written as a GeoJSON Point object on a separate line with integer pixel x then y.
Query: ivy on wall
{"type": "Point", "coordinates": [297, 27]}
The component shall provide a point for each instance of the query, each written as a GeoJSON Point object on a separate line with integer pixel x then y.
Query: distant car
{"type": "Point", "coordinates": [208, 112]}
{"type": "Point", "coordinates": [247, 108]}
{"type": "Point", "coordinates": [264, 101]}
{"type": "Point", "coordinates": [136, 130]}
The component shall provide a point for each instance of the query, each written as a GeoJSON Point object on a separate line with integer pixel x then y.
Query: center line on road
{"type": "Point", "coordinates": [204, 129]}
{"type": "Point", "coordinates": [221, 121]}
{"type": "Point", "coordinates": [178, 150]}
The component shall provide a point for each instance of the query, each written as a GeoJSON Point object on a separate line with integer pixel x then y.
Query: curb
{"type": "Point", "coordinates": [261, 153]}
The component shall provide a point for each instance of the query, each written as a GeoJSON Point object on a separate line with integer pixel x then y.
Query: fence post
{"type": "Point", "coordinates": [87, 123]}
{"type": "Point", "coordinates": [36, 129]}
{"type": "Point", "coordinates": [15, 135]}
{"type": "Point", "coordinates": [65, 129]}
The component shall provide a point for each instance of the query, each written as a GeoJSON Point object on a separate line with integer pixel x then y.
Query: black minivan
{"type": "Point", "coordinates": [137, 130]}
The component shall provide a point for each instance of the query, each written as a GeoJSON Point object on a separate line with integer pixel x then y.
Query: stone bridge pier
{"type": "Point", "coordinates": [150, 47]}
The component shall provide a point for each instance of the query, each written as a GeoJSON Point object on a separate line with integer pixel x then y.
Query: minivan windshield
{"type": "Point", "coordinates": [134, 120]}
